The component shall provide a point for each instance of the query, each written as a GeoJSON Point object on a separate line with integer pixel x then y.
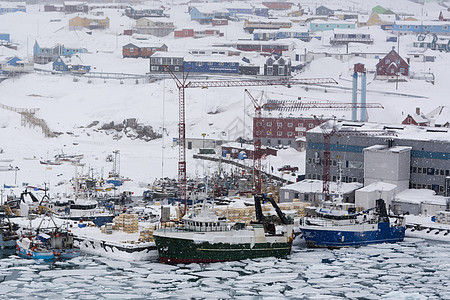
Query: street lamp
{"type": "Point", "coordinates": [203, 135]}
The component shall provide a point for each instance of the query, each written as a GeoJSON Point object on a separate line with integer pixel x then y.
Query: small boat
{"type": "Point", "coordinates": [60, 241]}
{"type": "Point", "coordinates": [50, 162]}
{"type": "Point", "coordinates": [335, 230]}
{"type": "Point", "coordinates": [8, 234]}
{"type": "Point", "coordinates": [31, 247]}
{"type": "Point", "coordinates": [205, 238]}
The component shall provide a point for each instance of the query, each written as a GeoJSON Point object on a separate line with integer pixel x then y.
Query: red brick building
{"type": "Point", "coordinates": [392, 66]}
{"type": "Point", "coordinates": [145, 50]}
{"type": "Point", "coordinates": [283, 131]}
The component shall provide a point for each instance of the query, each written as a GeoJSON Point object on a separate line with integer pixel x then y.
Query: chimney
{"type": "Point", "coordinates": [418, 111]}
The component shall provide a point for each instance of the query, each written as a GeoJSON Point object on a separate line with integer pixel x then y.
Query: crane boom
{"type": "Point", "coordinates": [237, 83]}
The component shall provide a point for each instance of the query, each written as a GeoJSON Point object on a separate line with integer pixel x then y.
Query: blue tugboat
{"type": "Point", "coordinates": [372, 226]}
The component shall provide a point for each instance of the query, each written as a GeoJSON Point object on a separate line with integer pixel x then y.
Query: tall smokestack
{"type": "Point", "coordinates": [355, 96]}
{"type": "Point", "coordinates": [363, 97]}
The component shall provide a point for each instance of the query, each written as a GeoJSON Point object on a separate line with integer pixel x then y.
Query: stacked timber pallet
{"type": "Point", "coordinates": [127, 223]}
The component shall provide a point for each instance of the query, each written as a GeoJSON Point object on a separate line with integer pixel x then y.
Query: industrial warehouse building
{"type": "Point", "coordinates": [415, 157]}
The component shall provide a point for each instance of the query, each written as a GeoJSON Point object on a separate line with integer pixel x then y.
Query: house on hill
{"type": "Point", "coordinates": [278, 5]}
{"type": "Point", "coordinates": [158, 26]}
{"type": "Point", "coordinates": [10, 7]}
{"type": "Point", "coordinates": [385, 21]}
{"type": "Point", "coordinates": [71, 7]}
{"type": "Point", "coordinates": [324, 11]}
{"type": "Point", "coordinates": [205, 14]}
{"type": "Point", "coordinates": [277, 66]}
{"type": "Point", "coordinates": [45, 54]}
{"type": "Point", "coordinates": [382, 11]}
{"type": "Point", "coordinates": [91, 22]}
{"type": "Point", "coordinates": [440, 116]}
{"type": "Point", "coordinates": [392, 66]}
{"type": "Point", "coordinates": [417, 118]}
{"type": "Point", "coordinates": [70, 64]}
{"type": "Point", "coordinates": [141, 50]}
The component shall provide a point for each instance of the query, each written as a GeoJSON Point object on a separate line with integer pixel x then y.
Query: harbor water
{"type": "Point", "coordinates": [413, 269]}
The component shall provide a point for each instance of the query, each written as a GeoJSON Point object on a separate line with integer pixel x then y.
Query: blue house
{"type": "Point", "coordinates": [5, 37]}
{"type": "Point", "coordinates": [8, 7]}
{"type": "Point", "coordinates": [320, 25]}
{"type": "Point", "coordinates": [415, 27]}
{"type": "Point", "coordinates": [284, 33]}
{"type": "Point", "coordinates": [70, 64]}
{"type": "Point", "coordinates": [9, 61]}
{"type": "Point", "coordinates": [261, 11]}
{"type": "Point", "coordinates": [205, 15]}
{"type": "Point", "coordinates": [211, 65]}
{"type": "Point", "coordinates": [44, 55]}
{"type": "Point", "coordinates": [241, 10]}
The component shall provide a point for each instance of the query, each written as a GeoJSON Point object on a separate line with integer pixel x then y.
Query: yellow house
{"type": "Point", "coordinates": [376, 19]}
{"type": "Point", "coordinates": [92, 22]}
{"type": "Point", "coordinates": [297, 13]}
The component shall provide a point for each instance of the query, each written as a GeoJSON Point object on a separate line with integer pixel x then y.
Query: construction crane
{"type": "Point", "coordinates": [183, 84]}
{"type": "Point", "coordinates": [290, 106]}
{"type": "Point", "coordinates": [328, 132]}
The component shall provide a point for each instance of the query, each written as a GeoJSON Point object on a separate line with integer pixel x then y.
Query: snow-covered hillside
{"type": "Point", "coordinates": [69, 107]}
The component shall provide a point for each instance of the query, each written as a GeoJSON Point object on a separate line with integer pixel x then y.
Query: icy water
{"type": "Point", "coordinates": [414, 269]}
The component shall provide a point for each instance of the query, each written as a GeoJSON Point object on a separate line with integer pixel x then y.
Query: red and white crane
{"type": "Point", "coordinates": [183, 84]}
{"type": "Point", "coordinates": [290, 106]}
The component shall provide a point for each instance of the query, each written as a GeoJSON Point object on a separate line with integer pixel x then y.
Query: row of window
{"type": "Point", "coordinates": [203, 52]}
{"type": "Point", "coordinates": [166, 61]}
{"type": "Point", "coordinates": [335, 178]}
{"type": "Point", "coordinates": [439, 188]}
{"type": "Point", "coordinates": [430, 171]}
{"type": "Point", "coordinates": [157, 68]}
{"type": "Point", "coordinates": [445, 27]}
{"type": "Point", "coordinates": [280, 125]}
{"type": "Point", "coordinates": [199, 64]}
{"type": "Point", "coordinates": [279, 133]}
{"type": "Point", "coordinates": [337, 26]}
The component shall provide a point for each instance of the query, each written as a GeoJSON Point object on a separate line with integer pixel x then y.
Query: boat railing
{"type": "Point", "coordinates": [181, 227]}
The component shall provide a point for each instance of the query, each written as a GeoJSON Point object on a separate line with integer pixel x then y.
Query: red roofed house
{"type": "Point", "coordinates": [416, 119]}
{"type": "Point", "coordinates": [392, 66]}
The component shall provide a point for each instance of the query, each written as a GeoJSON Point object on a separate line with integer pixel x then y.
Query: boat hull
{"type": "Point", "coordinates": [174, 250]}
{"type": "Point", "coordinates": [349, 236]}
{"type": "Point", "coordinates": [66, 253]}
{"type": "Point", "coordinates": [27, 253]}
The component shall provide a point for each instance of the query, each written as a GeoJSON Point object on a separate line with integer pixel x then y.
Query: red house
{"type": "Point", "coordinates": [145, 51]}
{"type": "Point", "coordinates": [184, 33]}
{"type": "Point", "coordinates": [219, 22]}
{"type": "Point", "coordinates": [392, 66]}
{"type": "Point", "coordinates": [416, 119]}
{"type": "Point", "coordinates": [444, 16]}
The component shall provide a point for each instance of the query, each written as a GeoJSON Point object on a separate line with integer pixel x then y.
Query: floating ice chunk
{"type": "Point", "coordinates": [6, 289]}
{"type": "Point", "coordinates": [88, 272]}
{"type": "Point", "coordinates": [169, 277]}
{"type": "Point", "coordinates": [216, 274]}
{"type": "Point", "coordinates": [402, 295]}
{"type": "Point", "coordinates": [274, 277]}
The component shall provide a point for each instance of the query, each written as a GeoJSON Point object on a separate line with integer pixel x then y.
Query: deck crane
{"type": "Point", "coordinates": [183, 84]}
{"type": "Point", "coordinates": [289, 106]}
{"type": "Point", "coordinates": [329, 130]}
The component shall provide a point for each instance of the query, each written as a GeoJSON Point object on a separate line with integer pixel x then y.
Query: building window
{"type": "Point", "coordinates": [279, 142]}
{"type": "Point", "coordinates": [131, 49]}
{"type": "Point", "coordinates": [290, 125]}
{"type": "Point", "coordinates": [300, 124]}
{"type": "Point", "coordinates": [289, 134]}
{"type": "Point", "coordinates": [414, 169]}
{"type": "Point", "coordinates": [444, 27]}
{"type": "Point", "coordinates": [311, 125]}
{"type": "Point", "coordinates": [419, 170]}
{"type": "Point", "coordinates": [199, 64]}
{"type": "Point", "coordinates": [269, 123]}
{"type": "Point", "coordinates": [269, 70]}
{"type": "Point", "coordinates": [177, 68]}
{"type": "Point", "coordinates": [154, 68]}
{"type": "Point", "coordinates": [279, 125]}
{"type": "Point", "coordinates": [279, 133]}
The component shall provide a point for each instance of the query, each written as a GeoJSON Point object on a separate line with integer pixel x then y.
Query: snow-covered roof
{"type": "Point", "coordinates": [12, 5]}
{"type": "Point", "coordinates": [363, 18]}
{"type": "Point", "coordinates": [419, 118]}
{"type": "Point", "coordinates": [378, 186]}
{"type": "Point", "coordinates": [316, 186]}
{"type": "Point", "coordinates": [403, 131]}
{"type": "Point", "coordinates": [170, 54]}
{"type": "Point", "coordinates": [425, 23]}
{"type": "Point", "coordinates": [74, 3]}
{"type": "Point", "coordinates": [210, 8]}
{"type": "Point", "coordinates": [330, 21]}
{"type": "Point", "coordinates": [351, 31]}
{"type": "Point", "coordinates": [387, 18]}
{"type": "Point", "coordinates": [395, 149]}
{"type": "Point", "coordinates": [417, 196]}
{"type": "Point", "coordinates": [212, 58]}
